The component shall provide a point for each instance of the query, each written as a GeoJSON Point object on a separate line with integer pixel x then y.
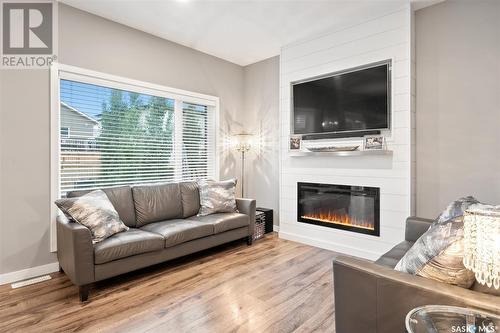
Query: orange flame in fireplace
{"type": "Point", "coordinates": [340, 219]}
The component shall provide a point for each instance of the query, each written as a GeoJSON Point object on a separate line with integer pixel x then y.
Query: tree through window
{"type": "Point", "coordinates": [120, 137]}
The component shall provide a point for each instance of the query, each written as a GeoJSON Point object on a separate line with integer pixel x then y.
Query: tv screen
{"type": "Point", "coordinates": [351, 101]}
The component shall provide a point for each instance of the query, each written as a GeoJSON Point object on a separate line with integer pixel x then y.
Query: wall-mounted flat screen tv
{"type": "Point", "coordinates": [355, 100]}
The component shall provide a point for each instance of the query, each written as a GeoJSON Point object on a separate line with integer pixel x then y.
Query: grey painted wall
{"type": "Point", "coordinates": [90, 42]}
{"type": "Point", "coordinates": [261, 117]}
{"type": "Point", "coordinates": [24, 176]}
{"type": "Point", "coordinates": [458, 103]}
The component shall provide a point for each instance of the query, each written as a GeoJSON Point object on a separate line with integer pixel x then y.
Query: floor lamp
{"type": "Point", "coordinates": [243, 144]}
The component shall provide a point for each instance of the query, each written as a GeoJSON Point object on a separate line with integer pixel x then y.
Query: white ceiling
{"type": "Point", "coordinates": [242, 32]}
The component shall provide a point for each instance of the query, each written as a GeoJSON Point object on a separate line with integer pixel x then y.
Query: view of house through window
{"type": "Point", "coordinates": [114, 137]}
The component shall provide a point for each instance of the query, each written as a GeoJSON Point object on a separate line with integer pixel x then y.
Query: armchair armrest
{"type": "Point", "coordinates": [75, 251]}
{"type": "Point", "coordinates": [416, 227]}
{"type": "Point", "coordinates": [373, 298]}
{"type": "Point", "coordinates": [247, 207]}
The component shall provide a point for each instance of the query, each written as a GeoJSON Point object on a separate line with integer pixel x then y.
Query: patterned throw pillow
{"type": "Point", "coordinates": [456, 209]}
{"type": "Point", "coordinates": [96, 212]}
{"type": "Point", "coordinates": [217, 197]}
{"type": "Point", "coordinates": [438, 253]}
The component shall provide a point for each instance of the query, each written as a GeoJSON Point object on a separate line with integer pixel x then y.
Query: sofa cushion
{"type": "Point", "coordinates": [392, 257]}
{"type": "Point", "coordinates": [190, 198]}
{"type": "Point", "coordinates": [179, 231]}
{"type": "Point", "coordinates": [126, 244]}
{"type": "Point", "coordinates": [224, 221]}
{"type": "Point", "coordinates": [120, 197]}
{"type": "Point", "coordinates": [156, 202]}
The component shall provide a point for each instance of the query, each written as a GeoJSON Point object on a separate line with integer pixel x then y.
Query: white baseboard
{"type": "Point", "coordinates": [28, 273]}
{"type": "Point", "coordinates": [276, 228]}
{"type": "Point", "coordinates": [330, 246]}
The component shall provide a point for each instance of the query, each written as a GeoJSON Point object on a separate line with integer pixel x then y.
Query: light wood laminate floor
{"type": "Point", "coordinates": [272, 286]}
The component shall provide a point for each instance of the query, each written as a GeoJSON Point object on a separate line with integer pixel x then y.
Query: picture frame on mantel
{"type": "Point", "coordinates": [295, 143]}
{"type": "Point", "coordinates": [374, 142]}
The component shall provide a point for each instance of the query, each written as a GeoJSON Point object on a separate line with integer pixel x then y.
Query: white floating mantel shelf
{"type": "Point", "coordinates": [303, 153]}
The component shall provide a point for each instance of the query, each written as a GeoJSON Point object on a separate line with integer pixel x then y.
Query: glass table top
{"type": "Point", "coordinates": [451, 319]}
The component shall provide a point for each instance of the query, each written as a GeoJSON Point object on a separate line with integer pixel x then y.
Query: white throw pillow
{"type": "Point", "coordinates": [217, 197]}
{"type": "Point", "coordinates": [94, 211]}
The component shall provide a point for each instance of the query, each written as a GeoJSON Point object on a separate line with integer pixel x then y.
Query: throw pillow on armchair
{"type": "Point", "coordinates": [438, 253]}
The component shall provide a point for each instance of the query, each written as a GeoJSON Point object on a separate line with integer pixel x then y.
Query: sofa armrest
{"type": "Point", "coordinates": [374, 298]}
{"type": "Point", "coordinates": [75, 251]}
{"type": "Point", "coordinates": [247, 207]}
{"type": "Point", "coordinates": [416, 227]}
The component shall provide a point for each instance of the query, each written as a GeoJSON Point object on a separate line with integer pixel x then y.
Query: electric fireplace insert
{"type": "Point", "coordinates": [352, 208]}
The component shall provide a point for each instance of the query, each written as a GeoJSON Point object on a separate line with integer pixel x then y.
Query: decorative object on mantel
{"type": "Point", "coordinates": [373, 142]}
{"type": "Point", "coordinates": [295, 142]}
{"type": "Point", "coordinates": [243, 142]}
{"type": "Point", "coordinates": [354, 153]}
{"type": "Point", "coordinates": [333, 148]}
{"type": "Point", "coordinates": [482, 243]}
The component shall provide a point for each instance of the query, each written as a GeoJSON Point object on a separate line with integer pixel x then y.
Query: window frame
{"type": "Point", "coordinates": [66, 72]}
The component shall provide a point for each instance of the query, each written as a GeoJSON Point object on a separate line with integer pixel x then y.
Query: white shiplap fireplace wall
{"type": "Point", "coordinates": [384, 37]}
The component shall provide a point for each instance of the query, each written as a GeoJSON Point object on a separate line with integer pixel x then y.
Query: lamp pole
{"type": "Point", "coordinates": [242, 173]}
{"type": "Point", "coordinates": [243, 145]}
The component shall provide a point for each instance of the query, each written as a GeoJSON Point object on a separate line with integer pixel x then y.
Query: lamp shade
{"type": "Point", "coordinates": [482, 244]}
{"type": "Point", "coordinates": [243, 142]}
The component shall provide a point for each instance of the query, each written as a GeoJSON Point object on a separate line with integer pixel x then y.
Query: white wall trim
{"type": "Point", "coordinates": [332, 246]}
{"type": "Point", "coordinates": [276, 228]}
{"type": "Point", "coordinates": [60, 71]}
{"type": "Point", "coordinates": [28, 273]}
{"type": "Point", "coordinates": [55, 113]}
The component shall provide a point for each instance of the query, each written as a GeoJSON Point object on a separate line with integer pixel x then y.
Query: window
{"type": "Point", "coordinates": [110, 131]}
{"type": "Point", "coordinates": [64, 132]}
{"type": "Point", "coordinates": [195, 137]}
{"type": "Point", "coordinates": [122, 136]}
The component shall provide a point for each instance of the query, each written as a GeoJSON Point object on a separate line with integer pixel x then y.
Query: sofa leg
{"type": "Point", "coordinates": [61, 269]}
{"type": "Point", "coordinates": [83, 291]}
{"type": "Point", "coordinates": [250, 240]}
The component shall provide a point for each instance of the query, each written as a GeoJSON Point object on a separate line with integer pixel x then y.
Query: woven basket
{"type": "Point", "coordinates": [260, 225]}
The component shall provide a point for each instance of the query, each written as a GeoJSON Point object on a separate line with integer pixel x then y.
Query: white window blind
{"type": "Point", "coordinates": [113, 137]}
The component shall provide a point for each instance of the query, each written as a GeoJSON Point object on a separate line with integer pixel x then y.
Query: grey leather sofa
{"type": "Point", "coordinates": [163, 225]}
{"type": "Point", "coordinates": [373, 297]}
